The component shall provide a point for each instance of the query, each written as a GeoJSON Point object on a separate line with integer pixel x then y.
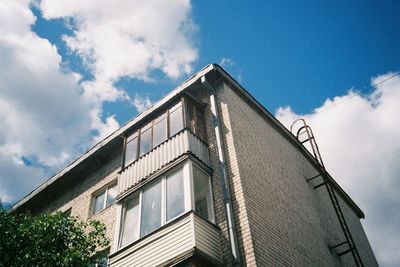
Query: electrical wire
{"type": "Point", "coordinates": [358, 93]}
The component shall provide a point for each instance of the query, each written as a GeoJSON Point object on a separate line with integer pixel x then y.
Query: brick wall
{"type": "Point", "coordinates": [281, 215]}
{"type": "Point", "coordinates": [79, 196]}
{"type": "Point", "coordinates": [240, 216]}
{"type": "Point", "coordinates": [281, 219]}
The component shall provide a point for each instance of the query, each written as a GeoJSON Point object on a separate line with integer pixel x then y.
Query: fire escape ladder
{"type": "Point", "coordinates": [304, 134]}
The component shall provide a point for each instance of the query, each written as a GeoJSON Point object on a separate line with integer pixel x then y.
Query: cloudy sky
{"type": "Point", "coordinates": [73, 71]}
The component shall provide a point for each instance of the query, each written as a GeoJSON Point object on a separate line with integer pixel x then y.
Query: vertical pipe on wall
{"type": "Point", "coordinates": [223, 175]}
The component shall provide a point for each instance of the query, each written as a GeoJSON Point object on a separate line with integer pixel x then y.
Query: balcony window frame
{"type": "Point", "coordinates": [198, 112]}
{"type": "Point", "coordinates": [186, 168]}
{"type": "Point", "coordinates": [151, 124]}
{"type": "Point", "coordinates": [184, 101]}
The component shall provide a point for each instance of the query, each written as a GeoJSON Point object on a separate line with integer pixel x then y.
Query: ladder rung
{"type": "Point", "coordinates": [312, 178]}
{"type": "Point", "coordinates": [321, 184]}
{"type": "Point", "coordinates": [338, 245]}
{"type": "Point", "coordinates": [344, 252]}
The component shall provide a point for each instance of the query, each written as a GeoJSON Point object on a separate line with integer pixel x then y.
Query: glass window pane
{"type": "Point", "coordinates": [145, 139]}
{"type": "Point", "coordinates": [175, 195]}
{"type": "Point", "coordinates": [151, 209]}
{"type": "Point", "coordinates": [175, 119]}
{"type": "Point", "coordinates": [190, 115]}
{"type": "Point", "coordinates": [160, 130]}
{"type": "Point", "coordinates": [99, 202]}
{"type": "Point", "coordinates": [202, 195]}
{"type": "Point", "coordinates": [130, 222]}
{"type": "Point", "coordinates": [199, 126]}
{"type": "Point", "coordinates": [111, 195]}
{"type": "Point", "coordinates": [131, 151]}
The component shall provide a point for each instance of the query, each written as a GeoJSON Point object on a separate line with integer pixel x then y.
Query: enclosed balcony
{"type": "Point", "coordinates": [188, 236]}
{"type": "Point", "coordinates": [183, 143]}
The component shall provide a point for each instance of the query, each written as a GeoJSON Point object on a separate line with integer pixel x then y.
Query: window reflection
{"type": "Point", "coordinates": [166, 125]}
{"type": "Point", "coordinates": [145, 139]}
{"type": "Point", "coordinates": [104, 198]}
{"type": "Point", "coordinates": [164, 200]}
{"type": "Point", "coordinates": [202, 196]}
{"type": "Point", "coordinates": [175, 119]}
{"type": "Point", "coordinates": [195, 119]}
{"type": "Point", "coordinates": [131, 149]}
{"type": "Point", "coordinates": [175, 195]}
{"type": "Point", "coordinates": [154, 133]}
{"type": "Point", "coordinates": [130, 222]}
{"type": "Point", "coordinates": [160, 130]}
{"type": "Point", "coordinates": [111, 195]}
{"type": "Point", "coordinates": [151, 209]}
{"type": "Point", "coordinates": [99, 202]}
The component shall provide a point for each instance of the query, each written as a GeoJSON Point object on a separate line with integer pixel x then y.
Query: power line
{"type": "Point", "coordinates": [358, 93]}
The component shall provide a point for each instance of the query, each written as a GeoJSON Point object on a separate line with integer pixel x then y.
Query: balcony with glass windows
{"type": "Point", "coordinates": [168, 220]}
{"type": "Point", "coordinates": [177, 131]}
{"type": "Point", "coordinates": [188, 236]}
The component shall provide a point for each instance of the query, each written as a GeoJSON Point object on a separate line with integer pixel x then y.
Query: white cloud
{"type": "Point", "coordinates": [47, 113]}
{"type": "Point", "coordinates": [128, 38]}
{"type": "Point", "coordinates": [43, 118]}
{"type": "Point", "coordinates": [359, 143]}
{"type": "Point", "coordinates": [141, 103]}
{"type": "Point", "coordinates": [229, 64]}
{"type": "Point", "coordinates": [226, 62]}
{"type": "Point", "coordinates": [103, 128]}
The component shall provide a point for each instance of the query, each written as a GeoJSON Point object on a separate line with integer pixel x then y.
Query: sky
{"type": "Point", "coordinates": [73, 71]}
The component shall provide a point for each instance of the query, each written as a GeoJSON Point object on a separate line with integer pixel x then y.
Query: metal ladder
{"type": "Point", "coordinates": [304, 134]}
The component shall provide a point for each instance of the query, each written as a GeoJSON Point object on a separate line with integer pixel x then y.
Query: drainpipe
{"type": "Point", "coordinates": [223, 175]}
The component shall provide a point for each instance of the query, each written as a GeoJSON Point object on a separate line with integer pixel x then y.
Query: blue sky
{"type": "Point", "coordinates": [283, 52]}
{"type": "Point", "coordinates": [89, 67]}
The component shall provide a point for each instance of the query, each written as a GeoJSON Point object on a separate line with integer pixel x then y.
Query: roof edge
{"type": "Point", "coordinates": [291, 138]}
{"type": "Point", "coordinates": [183, 86]}
{"type": "Point", "coordinates": [117, 133]}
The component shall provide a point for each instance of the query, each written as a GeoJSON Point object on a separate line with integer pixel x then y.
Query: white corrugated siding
{"type": "Point", "coordinates": [180, 237]}
{"type": "Point", "coordinates": [157, 158]}
{"type": "Point", "coordinates": [207, 238]}
{"type": "Point", "coordinates": [159, 247]}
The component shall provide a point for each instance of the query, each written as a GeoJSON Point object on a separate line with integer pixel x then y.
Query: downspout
{"type": "Point", "coordinates": [223, 175]}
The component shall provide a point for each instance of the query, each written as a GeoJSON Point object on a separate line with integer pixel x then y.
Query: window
{"type": "Point", "coordinates": [130, 222]}
{"type": "Point", "coordinates": [202, 193]}
{"type": "Point", "coordinates": [175, 195]}
{"type": "Point", "coordinates": [151, 209]}
{"type": "Point", "coordinates": [145, 139]}
{"type": "Point", "coordinates": [67, 212]}
{"type": "Point", "coordinates": [104, 199]}
{"type": "Point", "coordinates": [160, 130]}
{"type": "Point", "coordinates": [196, 122]}
{"type": "Point", "coordinates": [165, 199]}
{"type": "Point", "coordinates": [154, 133]}
{"type": "Point", "coordinates": [131, 148]}
{"type": "Point", "coordinates": [175, 119]}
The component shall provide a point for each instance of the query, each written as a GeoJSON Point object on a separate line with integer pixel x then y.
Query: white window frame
{"type": "Point", "coordinates": [187, 172]}
{"type": "Point", "coordinates": [98, 193]}
{"type": "Point", "coordinates": [212, 217]}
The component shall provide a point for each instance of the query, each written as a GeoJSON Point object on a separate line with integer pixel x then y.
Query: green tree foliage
{"type": "Point", "coordinates": [49, 240]}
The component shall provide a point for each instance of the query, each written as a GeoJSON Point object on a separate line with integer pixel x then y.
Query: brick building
{"type": "Point", "coordinates": [208, 177]}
